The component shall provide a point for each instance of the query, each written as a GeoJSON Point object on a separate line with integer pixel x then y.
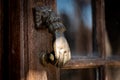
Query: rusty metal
{"type": "Point", "coordinates": [46, 16]}
{"type": "Point", "coordinates": [61, 54]}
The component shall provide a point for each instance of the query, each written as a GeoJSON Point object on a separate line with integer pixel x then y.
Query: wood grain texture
{"type": "Point", "coordinates": [38, 41]}
{"type": "Point", "coordinates": [14, 39]}
{"type": "Point", "coordinates": [84, 63]}
{"type": "Point", "coordinates": [26, 42]}
{"type": "Point", "coordinates": [100, 26]}
{"type": "Point", "coordinates": [100, 35]}
{"type": "Point", "coordinates": [99, 29]}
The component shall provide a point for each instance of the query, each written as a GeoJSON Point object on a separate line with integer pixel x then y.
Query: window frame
{"type": "Point", "coordinates": [101, 63]}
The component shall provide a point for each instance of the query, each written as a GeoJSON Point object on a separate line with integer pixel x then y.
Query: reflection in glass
{"type": "Point", "coordinates": [77, 17]}
{"type": "Point", "coordinates": [112, 19]}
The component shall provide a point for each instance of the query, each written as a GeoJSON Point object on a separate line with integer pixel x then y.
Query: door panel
{"type": "Point", "coordinates": [39, 41]}
{"type": "Point", "coordinates": [26, 42]}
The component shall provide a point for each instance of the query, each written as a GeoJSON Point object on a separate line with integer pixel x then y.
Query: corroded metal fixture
{"type": "Point", "coordinates": [61, 54]}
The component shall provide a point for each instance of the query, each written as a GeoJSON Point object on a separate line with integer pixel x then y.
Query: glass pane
{"type": "Point", "coordinates": [77, 17]}
{"type": "Point", "coordinates": [112, 17]}
{"type": "Point", "coordinates": [113, 73]}
{"type": "Point", "coordinates": [80, 74]}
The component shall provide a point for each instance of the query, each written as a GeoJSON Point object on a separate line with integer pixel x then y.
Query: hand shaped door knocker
{"type": "Point", "coordinates": [61, 54]}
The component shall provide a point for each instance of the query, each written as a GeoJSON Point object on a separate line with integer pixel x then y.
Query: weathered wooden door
{"type": "Point", "coordinates": [21, 43]}
{"type": "Point", "coordinates": [26, 42]}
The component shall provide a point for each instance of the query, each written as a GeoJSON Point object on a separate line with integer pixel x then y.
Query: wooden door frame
{"type": "Point", "coordinates": [25, 42]}
{"type": "Point", "coordinates": [22, 39]}
{"type": "Point", "coordinates": [23, 56]}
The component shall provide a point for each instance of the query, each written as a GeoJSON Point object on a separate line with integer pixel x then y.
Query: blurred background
{"type": "Point", "coordinates": [77, 17]}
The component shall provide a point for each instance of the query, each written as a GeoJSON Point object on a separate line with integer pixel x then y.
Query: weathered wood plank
{"type": "Point", "coordinates": [99, 29]}
{"type": "Point", "coordinates": [84, 63]}
{"type": "Point", "coordinates": [100, 26]}
{"type": "Point", "coordinates": [90, 63]}
{"type": "Point", "coordinates": [38, 41]}
{"type": "Point", "coordinates": [26, 43]}
{"type": "Point", "coordinates": [14, 39]}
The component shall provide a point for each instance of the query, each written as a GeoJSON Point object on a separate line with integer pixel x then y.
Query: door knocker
{"type": "Point", "coordinates": [61, 54]}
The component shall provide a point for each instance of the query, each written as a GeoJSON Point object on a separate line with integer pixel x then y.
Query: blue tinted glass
{"type": "Point", "coordinates": [77, 17]}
